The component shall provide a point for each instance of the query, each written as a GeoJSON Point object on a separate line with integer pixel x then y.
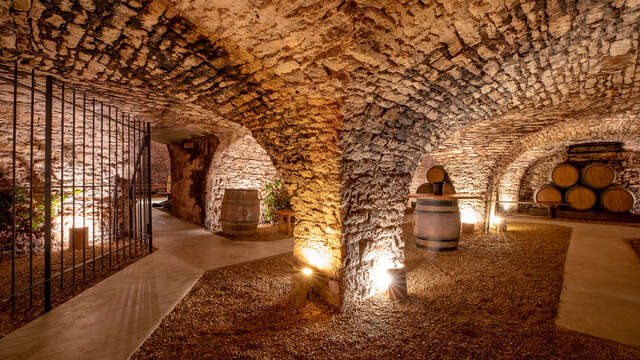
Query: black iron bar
{"type": "Point", "coordinates": [124, 254]}
{"type": "Point", "coordinates": [109, 187]}
{"type": "Point", "coordinates": [134, 194]}
{"type": "Point", "coordinates": [140, 158]}
{"type": "Point", "coordinates": [130, 150]}
{"type": "Point", "coordinates": [138, 167]}
{"type": "Point", "coordinates": [73, 190]}
{"type": "Point", "coordinates": [93, 185]}
{"type": "Point", "coordinates": [47, 192]}
{"type": "Point", "coordinates": [142, 179]}
{"type": "Point", "coordinates": [14, 136]}
{"type": "Point", "coordinates": [62, 185]}
{"type": "Point", "coordinates": [116, 194]}
{"type": "Point", "coordinates": [33, 86]}
{"type": "Point", "coordinates": [84, 172]}
{"type": "Point", "coordinates": [101, 188]}
{"type": "Point", "coordinates": [149, 224]}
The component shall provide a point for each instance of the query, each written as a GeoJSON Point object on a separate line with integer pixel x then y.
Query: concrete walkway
{"type": "Point", "coordinates": [601, 289]}
{"type": "Point", "coordinates": [113, 318]}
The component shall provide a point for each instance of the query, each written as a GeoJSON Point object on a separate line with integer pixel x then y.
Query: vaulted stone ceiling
{"type": "Point", "coordinates": [347, 96]}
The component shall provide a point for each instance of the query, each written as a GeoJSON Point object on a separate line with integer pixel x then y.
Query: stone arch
{"type": "Point", "coordinates": [238, 162]}
{"type": "Point", "coordinates": [622, 127]}
{"type": "Point", "coordinates": [508, 80]}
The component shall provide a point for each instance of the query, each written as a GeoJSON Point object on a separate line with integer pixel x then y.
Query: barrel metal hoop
{"type": "Point", "coordinates": [437, 240]}
{"type": "Point", "coordinates": [433, 202]}
{"type": "Point", "coordinates": [437, 249]}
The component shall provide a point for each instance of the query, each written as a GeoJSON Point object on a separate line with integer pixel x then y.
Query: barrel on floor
{"type": "Point", "coordinates": [240, 212]}
{"type": "Point", "coordinates": [437, 224]}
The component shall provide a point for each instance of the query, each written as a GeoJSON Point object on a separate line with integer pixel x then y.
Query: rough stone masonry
{"type": "Point", "coordinates": [347, 97]}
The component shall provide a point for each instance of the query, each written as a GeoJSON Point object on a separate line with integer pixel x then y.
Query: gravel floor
{"type": "Point", "coordinates": [495, 298]}
{"type": "Point", "coordinates": [24, 313]}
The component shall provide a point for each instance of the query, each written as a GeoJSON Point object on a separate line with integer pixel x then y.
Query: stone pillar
{"type": "Point", "coordinates": [190, 162]}
{"type": "Point", "coordinates": [374, 203]}
{"type": "Point", "coordinates": [351, 203]}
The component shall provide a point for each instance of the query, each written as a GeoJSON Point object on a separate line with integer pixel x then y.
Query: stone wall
{"type": "Point", "coordinates": [190, 163]}
{"type": "Point", "coordinates": [628, 174]}
{"type": "Point", "coordinates": [536, 175]}
{"type": "Point", "coordinates": [419, 176]}
{"type": "Point", "coordinates": [238, 163]}
{"type": "Point", "coordinates": [160, 165]}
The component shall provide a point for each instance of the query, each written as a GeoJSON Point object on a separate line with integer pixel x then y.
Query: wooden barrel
{"type": "Point", "coordinates": [616, 199]}
{"type": "Point", "coordinates": [437, 224]}
{"type": "Point", "coordinates": [436, 174]}
{"type": "Point", "coordinates": [240, 212]}
{"type": "Point", "coordinates": [580, 197]}
{"type": "Point", "coordinates": [598, 175]}
{"type": "Point", "coordinates": [547, 193]}
{"type": "Point", "coordinates": [426, 188]}
{"type": "Point", "coordinates": [565, 175]}
{"type": "Point", "coordinates": [448, 189]}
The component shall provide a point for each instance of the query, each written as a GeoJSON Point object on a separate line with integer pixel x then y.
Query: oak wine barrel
{"type": "Point", "coordinates": [437, 224]}
{"type": "Point", "coordinates": [547, 193]}
{"type": "Point", "coordinates": [580, 197]}
{"type": "Point", "coordinates": [436, 174]}
{"type": "Point", "coordinates": [240, 212]}
{"type": "Point", "coordinates": [426, 188]}
{"type": "Point", "coordinates": [565, 175]}
{"type": "Point", "coordinates": [598, 175]}
{"type": "Point", "coordinates": [616, 199]}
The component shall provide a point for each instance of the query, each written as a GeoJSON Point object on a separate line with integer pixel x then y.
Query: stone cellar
{"type": "Point", "coordinates": [305, 178]}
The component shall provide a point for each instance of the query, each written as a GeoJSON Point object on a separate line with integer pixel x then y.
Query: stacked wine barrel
{"type": "Point", "coordinates": [436, 175]}
{"type": "Point", "coordinates": [592, 187]}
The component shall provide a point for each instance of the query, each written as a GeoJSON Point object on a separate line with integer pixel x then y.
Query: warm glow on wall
{"type": "Point", "coordinates": [317, 257]}
{"type": "Point", "coordinates": [496, 220]}
{"type": "Point", "coordinates": [469, 216]}
{"type": "Point", "coordinates": [78, 223]}
{"type": "Point", "coordinates": [307, 271]}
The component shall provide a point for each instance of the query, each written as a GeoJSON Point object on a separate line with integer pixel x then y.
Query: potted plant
{"type": "Point", "coordinates": [275, 198]}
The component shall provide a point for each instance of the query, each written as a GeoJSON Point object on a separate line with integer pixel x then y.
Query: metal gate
{"type": "Point", "coordinates": [74, 186]}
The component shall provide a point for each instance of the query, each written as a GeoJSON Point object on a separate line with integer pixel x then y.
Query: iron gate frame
{"type": "Point", "coordinates": [136, 196]}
